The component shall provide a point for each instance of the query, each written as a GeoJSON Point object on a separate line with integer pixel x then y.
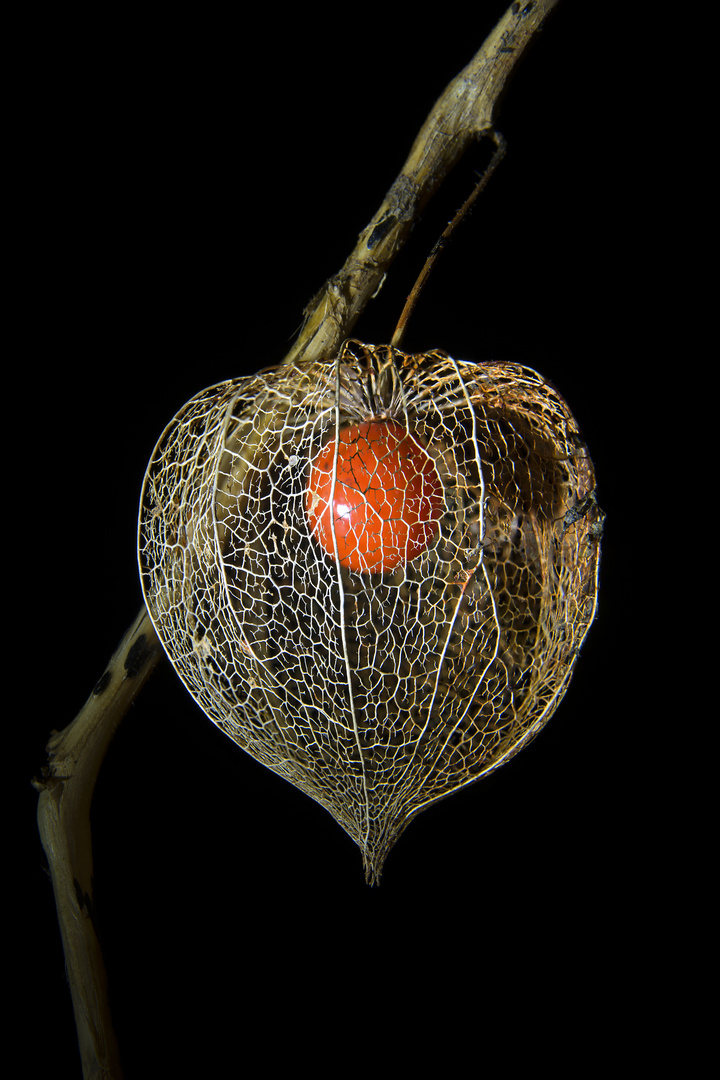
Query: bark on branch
{"type": "Point", "coordinates": [66, 788]}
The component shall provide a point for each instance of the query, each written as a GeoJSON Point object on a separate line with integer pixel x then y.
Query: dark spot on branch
{"type": "Point", "coordinates": [84, 900]}
{"type": "Point", "coordinates": [136, 657]}
{"type": "Point", "coordinates": [102, 684]}
{"type": "Point", "coordinates": [381, 229]}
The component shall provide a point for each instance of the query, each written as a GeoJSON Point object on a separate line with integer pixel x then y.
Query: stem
{"type": "Point", "coordinates": [442, 241]}
{"type": "Point", "coordinates": [66, 788]}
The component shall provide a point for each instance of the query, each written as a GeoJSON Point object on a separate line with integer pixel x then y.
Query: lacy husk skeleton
{"type": "Point", "coordinates": [377, 694]}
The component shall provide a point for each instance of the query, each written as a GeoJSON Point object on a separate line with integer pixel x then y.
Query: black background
{"type": "Point", "coordinates": [188, 184]}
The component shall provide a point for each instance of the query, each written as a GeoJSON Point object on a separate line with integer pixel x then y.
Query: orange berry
{"type": "Point", "coordinates": [387, 500]}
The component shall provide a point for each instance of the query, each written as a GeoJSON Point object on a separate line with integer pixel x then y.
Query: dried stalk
{"type": "Point", "coordinates": [66, 788]}
{"type": "Point", "coordinates": [464, 113]}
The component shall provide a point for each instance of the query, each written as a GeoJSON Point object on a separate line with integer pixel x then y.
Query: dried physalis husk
{"type": "Point", "coordinates": [374, 573]}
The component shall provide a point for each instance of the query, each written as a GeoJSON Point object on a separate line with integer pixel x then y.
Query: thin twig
{"type": "Point", "coordinates": [442, 240]}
